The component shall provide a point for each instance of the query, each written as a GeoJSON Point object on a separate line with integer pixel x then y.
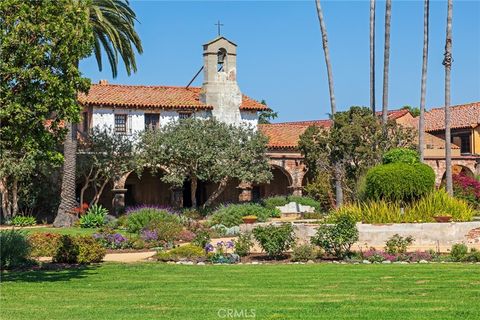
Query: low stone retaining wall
{"type": "Point", "coordinates": [437, 236]}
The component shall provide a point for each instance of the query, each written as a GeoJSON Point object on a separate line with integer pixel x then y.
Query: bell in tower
{"type": "Point", "coordinates": [220, 88]}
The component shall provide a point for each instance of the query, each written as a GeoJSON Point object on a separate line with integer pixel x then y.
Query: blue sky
{"type": "Point", "coordinates": [280, 56]}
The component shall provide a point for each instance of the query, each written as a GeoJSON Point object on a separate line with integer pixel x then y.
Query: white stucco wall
{"type": "Point", "coordinates": [105, 117]}
{"type": "Point", "coordinates": [249, 118]}
{"type": "Point", "coordinates": [102, 117]}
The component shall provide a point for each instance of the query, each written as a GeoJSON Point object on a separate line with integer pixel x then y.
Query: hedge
{"type": "Point", "coordinates": [399, 182]}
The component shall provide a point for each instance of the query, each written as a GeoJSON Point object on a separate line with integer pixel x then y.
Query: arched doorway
{"type": "Point", "coordinates": [147, 189]}
{"type": "Point", "coordinates": [280, 185]}
{"type": "Point", "coordinates": [458, 170]}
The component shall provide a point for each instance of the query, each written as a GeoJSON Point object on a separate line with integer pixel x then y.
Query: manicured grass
{"type": "Point", "coordinates": [322, 291]}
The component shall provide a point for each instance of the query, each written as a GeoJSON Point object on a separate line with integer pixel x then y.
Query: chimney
{"type": "Point", "coordinates": [103, 82]}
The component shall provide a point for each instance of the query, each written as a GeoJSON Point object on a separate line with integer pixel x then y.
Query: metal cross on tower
{"type": "Point", "coordinates": [218, 24]}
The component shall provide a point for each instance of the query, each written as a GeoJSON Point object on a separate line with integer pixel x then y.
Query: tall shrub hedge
{"type": "Point", "coordinates": [401, 155]}
{"type": "Point", "coordinates": [399, 182]}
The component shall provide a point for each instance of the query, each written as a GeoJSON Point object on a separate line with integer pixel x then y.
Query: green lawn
{"type": "Point", "coordinates": [322, 291]}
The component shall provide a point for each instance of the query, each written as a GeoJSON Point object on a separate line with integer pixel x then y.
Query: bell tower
{"type": "Point", "coordinates": [220, 88]}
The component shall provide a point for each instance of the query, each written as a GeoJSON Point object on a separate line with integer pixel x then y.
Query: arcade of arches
{"type": "Point", "coordinates": [288, 178]}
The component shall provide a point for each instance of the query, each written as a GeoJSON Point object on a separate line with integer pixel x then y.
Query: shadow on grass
{"type": "Point", "coordinates": [49, 273]}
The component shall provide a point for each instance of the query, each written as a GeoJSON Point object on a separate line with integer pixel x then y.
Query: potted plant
{"type": "Point", "coordinates": [442, 217]}
{"type": "Point", "coordinates": [249, 219]}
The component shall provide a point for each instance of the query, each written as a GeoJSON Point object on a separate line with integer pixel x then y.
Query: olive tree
{"type": "Point", "coordinates": [207, 150]}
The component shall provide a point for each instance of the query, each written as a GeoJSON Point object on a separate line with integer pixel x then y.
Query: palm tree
{"type": "Point", "coordinates": [447, 62]}
{"type": "Point", "coordinates": [113, 28]}
{"type": "Point", "coordinates": [372, 55]}
{"type": "Point", "coordinates": [323, 29]}
{"type": "Point", "coordinates": [421, 123]}
{"type": "Point", "coordinates": [386, 61]}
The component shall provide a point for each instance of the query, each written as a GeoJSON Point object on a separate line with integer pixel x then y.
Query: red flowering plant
{"type": "Point", "coordinates": [468, 189]}
{"type": "Point", "coordinates": [81, 209]}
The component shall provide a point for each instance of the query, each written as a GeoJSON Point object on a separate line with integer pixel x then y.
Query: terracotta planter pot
{"type": "Point", "coordinates": [443, 218]}
{"type": "Point", "coordinates": [249, 220]}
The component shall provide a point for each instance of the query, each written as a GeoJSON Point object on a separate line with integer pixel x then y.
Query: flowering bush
{"type": "Point", "coordinates": [338, 238]}
{"type": "Point", "coordinates": [373, 255]}
{"type": "Point", "coordinates": [222, 254]}
{"type": "Point", "coordinates": [468, 189]}
{"type": "Point", "coordinates": [110, 239]}
{"type": "Point", "coordinates": [81, 209]}
{"type": "Point", "coordinates": [398, 244]}
{"type": "Point", "coordinates": [139, 218]}
{"type": "Point", "coordinates": [44, 244]}
{"type": "Point", "coordinates": [186, 235]}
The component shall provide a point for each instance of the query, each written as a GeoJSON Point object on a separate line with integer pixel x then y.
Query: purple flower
{"type": "Point", "coordinates": [209, 247]}
{"type": "Point", "coordinates": [230, 244]}
{"type": "Point", "coordinates": [97, 236]}
{"type": "Point", "coordinates": [149, 235]}
{"type": "Point", "coordinates": [220, 244]}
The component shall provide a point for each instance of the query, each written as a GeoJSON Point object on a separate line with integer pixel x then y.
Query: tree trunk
{"type": "Point", "coordinates": [99, 193]}
{"type": "Point", "coordinates": [15, 197]}
{"type": "Point", "coordinates": [421, 123]}
{"type": "Point", "coordinates": [193, 191]}
{"type": "Point", "coordinates": [323, 30]}
{"type": "Point", "coordinates": [447, 62]}
{"type": "Point", "coordinates": [372, 56]}
{"type": "Point", "coordinates": [333, 107]}
{"type": "Point", "coordinates": [221, 187]}
{"type": "Point", "coordinates": [386, 61]}
{"type": "Point", "coordinates": [5, 199]}
{"type": "Point", "coordinates": [65, 216]}
{"type": "Point", "coordinates": [338, 185]}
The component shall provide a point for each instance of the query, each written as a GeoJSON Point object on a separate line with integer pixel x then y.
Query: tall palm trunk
{"type": "Point", "coordinates": [447, 62]}
{"type": "Point", "coordinates": [386, 60]}
{"type": "Point", "coordinates": [421, 123]}
{"type": "Point", "coordinates": [372, 55]}
{"type": "Point", "coordinates": [337, 168]}
{"type": "Point", "coordinates": [64, 217]}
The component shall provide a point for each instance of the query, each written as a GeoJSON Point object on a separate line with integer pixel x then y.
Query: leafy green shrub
{"type": "Point", "coordinates": [79, 249]}
{"type": "Point", "coordinates": [399, 182]}
{"type": "Point", "coordinates": [24, 221]}
{"type": "Point", "coordinates": [275, 201]}
{"type": "Point", "coordinates": [398, 244]}
{"type": "Point", "coordinates": [243, 244]}
{"type": "Point", "coordinates": [163, 232]}
{"type": "Point", "coordinates": [89, 250]}
{"type": "Point", "coordinates": [304, 252]}
{"type": "Point", "coordinates": [459, 252]}
{"type": "Point", "coordinates": [438, 203]}
{"type": "Point", "coordinates": [401, 155]}
{"type": "Point", "coordinates": [186, 252]}
{"type": "Point", "coordinates": [306, 201]}
{"type": "Point", "coordinates": [14, 249]}
{"type": "Point", "coordinates": [94, 218]}
{"type": "Point", "coordinates": [44, 244]}
{"type": "Point", "coordinates": [275, 240]}
{"type": "Point", "coordinates": [320, 189]}
{"type": "Point", "coordinates": [140, 218]}
{"type": "Point", "coordinates": [473, 256]}
{"type": "Point", "coordinates": [202, 238]}
{"type": "Point", "coordinates": [338, 238]}
{"type": "Point", "coordinates": [231, 215]}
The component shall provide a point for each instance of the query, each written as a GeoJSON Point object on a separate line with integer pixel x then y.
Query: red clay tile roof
{"type": "Point", "coordinates": [169, 97]}
{"type": "Point", "coordinates": [463, 116]}
{"type": "Point", "coordinates": [394, 114]}
{"type": "Point", "coordinates": [286, 135]}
